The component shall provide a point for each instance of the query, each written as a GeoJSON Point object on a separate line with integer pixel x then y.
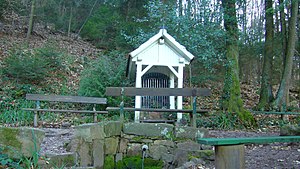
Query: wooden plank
{"type": "Point", "coordinates": [156, 110]}
{"type": "Point", "coordinates": [66, 111]}
{"type": "Point", "coordinates": [276, 113]}
{"type": "Point", "coordinates": [248, 140]}
{"type": "Point", "coordinates": [157, 121]}
{"type": "Point", "coordinates": [70, 99]}
{"type": "Point", "coordinates": [131, 91]}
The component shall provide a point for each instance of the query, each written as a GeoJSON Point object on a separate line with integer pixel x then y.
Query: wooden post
{"type": "Point", "coordinates": [122, 106]}
{"type": "Point", "coordinates": [194, 124]}
{"type": "Point", "coordinates": [230, 157]}
{"type": "Point", "coordinates": [138, 84]}
{"type": "Point", "coordinates": [95, 114]}
{"type": "Point", "coordinates": [36, 113]}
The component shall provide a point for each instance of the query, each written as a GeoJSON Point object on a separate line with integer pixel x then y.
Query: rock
{"type": "Point", "coordinates": [123, 145]}
{"type": "Point", "coordinates": [189, 164]}
{"type": "Point", "coordinates": [98, 155]}
{"type": "Point", "coordinates": [84, 154]}
{"type": "Point", "coordinates": [167, 157]}
{"type": "Point", "coordinates": [112, 128]}
{"type": "Point", "coordinates": [59, 160]}
{"type": "Point", "coordinates": [88, 132]}
{"type": "Point", "coordinates": [134, 149]}
{"type": "Point", "coordinates": [189, 146]}
{"type": "Point", "coordinates": [111, 145]}
{"type": "Point", "coordinates": [190, 132]}
{"type": "Point", "coordinates": [167, 143]}
{"type": "Point", "coordinates": [181, 156]}
{"type": "Point", "coordinates": [66, 125]}
{"type": "Point", "coordinates": [119, 157]}
{"type": "Point", "coordinates": [148, 129]}
{"type": "Point", "coordinates": [157, 151]}
{"type": "Point", "coordinates": [290, 130]}
{"type": "Point", "coordinates": [25, 141]}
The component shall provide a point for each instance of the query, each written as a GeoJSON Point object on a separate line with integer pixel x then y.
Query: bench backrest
{"type": "Point", "coordinates": [69, 99]}
{"type": "Point", "coordinates": [132, 91]}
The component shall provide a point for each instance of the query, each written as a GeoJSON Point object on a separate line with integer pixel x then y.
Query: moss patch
{"type": "Point", "coordinates": [203, 154]}
{"type": "Point", "coordinates": [135, 162]}
{"type": "Point", "coordinates": [109, 162]}
{"type": "Point", "coordinates": [9, 138]}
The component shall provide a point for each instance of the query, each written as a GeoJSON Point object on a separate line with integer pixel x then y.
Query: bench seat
{"type": "Point", "coordinates": [38, 98]}
{"type": "Point", "coordinates": [67, 111]}
{"type": "Point", "coordinates": [156, 110]}
{"type": "Point", "coordinates": [230, 152]}
{"type": "Point", "coordinates": [248, 140]}
{"type": "Point", "coordinates": [158, 121]}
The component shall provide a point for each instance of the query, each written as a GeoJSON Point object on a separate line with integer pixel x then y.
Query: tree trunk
{"type": "Point", "coordinates": [281, 97]}
{"type": "Point", "coordinates": [70, 21]}
{"type": "Point", "coordinates": [30, 25]}
{"type": "Point", "coordinates": [231, 100]}
{"type": "Point", "coordinates": [266, 94]}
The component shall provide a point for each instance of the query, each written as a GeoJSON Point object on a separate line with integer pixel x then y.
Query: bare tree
{"type": "Point", "coordinates": [281, 100]}
{"type": "Point", "coordinates": [266, 95]}
{"type": "Point", "coordinates": [231, 100]}
{"type": "Point", "coordinates": [30, 25]}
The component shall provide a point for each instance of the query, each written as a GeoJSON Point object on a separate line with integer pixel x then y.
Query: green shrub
{"type": "Point", "coordinates": [25, 67]}
{"type": "Point", "coordinates": [32, 66]}
{"type": "Point", "coordinates": [106, 71]}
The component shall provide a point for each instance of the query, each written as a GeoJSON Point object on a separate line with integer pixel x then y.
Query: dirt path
{"type": "Point", "coordinates": [55, 140]}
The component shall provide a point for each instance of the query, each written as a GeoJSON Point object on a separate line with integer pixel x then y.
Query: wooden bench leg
{"type": "Point", "coordinates": [230, 157]}
{"type": "Point", "coordinates": [35, 119]}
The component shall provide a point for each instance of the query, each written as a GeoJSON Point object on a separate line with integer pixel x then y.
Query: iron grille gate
{"type": "Point", "coordinates": [155, 80]}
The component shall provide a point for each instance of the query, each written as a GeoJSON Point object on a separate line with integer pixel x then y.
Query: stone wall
{"type": "Point", "coordinates": [94, 143]}
{"type": "Point", "coordinates": [17, 142]}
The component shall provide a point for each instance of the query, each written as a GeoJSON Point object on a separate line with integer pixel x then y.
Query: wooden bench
{"type": "Point", "coordinates": [65, 99]}
{"type": "Point", "coordinates": [131, 91]}
{"type": "Point", "coordinates": [230, 152]}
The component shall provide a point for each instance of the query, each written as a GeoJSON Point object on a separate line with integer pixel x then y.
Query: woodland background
{"type": "Point", "coordinates": [247, 51]}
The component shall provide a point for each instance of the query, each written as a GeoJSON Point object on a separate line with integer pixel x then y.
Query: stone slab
{"type": "Point", "coordinates": [90, 132]}
{"type": "Point", "coordinates": [112, 128]}
{"type": "Point", "coordinates": [148, 129]}
{"type": "Point", "coordinates": [98, 153]}
{"type": "Point", "coordinates": [190, 132]}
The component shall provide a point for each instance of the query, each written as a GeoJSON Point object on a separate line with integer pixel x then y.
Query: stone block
{"type": "Point", "coordinates": [167, 157]}
{"type": "Point", "coordinates": [111, 145]}
{"type": "Point", "coordinates": [148, 129]}
{"type": "Point", "coordinates": [98, 153]}
{"type": "Point", "coordinates": [157, 151]}
{"type": "Point", "coordinates": [90, 131]}
{"type": "Point", "coordinates": [290, 130]}
{"type": "Point", "coordinates": [123, 145]}
{"type": "Point", "coordinates": [134, 149]}
{"type": "Point", "coordinates": [24, 140]}
{"type": "Point", "coordinates": [181, 157]}
{"type": "Point", "coordinates": [59, 160]}
{"type": "Point", "coordinates": [167, 143]}
{"type": "Point", "coordinates": [190, 132]}
{"type": "Point", "coordinates": [119, 157]}
{"type": "Point", "coordinates": [112, 128]}
{"type": "Point", "coordinates": [85, 154]}
{"type": "Point", "coordinates": [189, 146]}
